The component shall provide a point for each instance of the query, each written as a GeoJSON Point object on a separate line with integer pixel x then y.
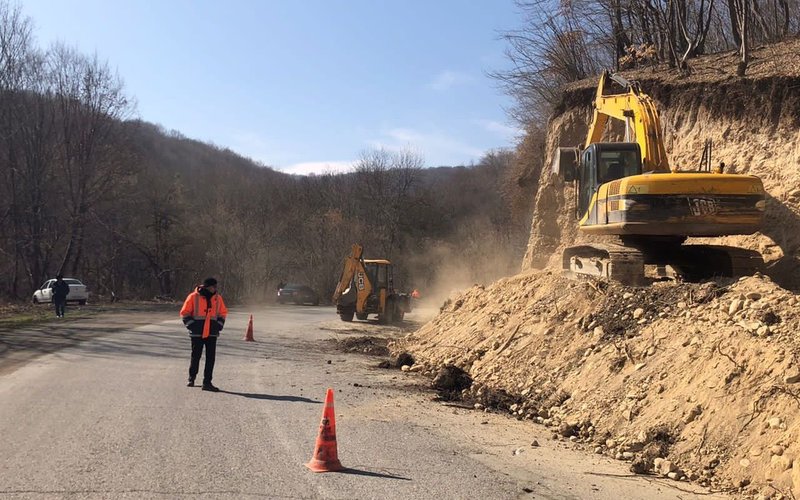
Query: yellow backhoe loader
{"type": "Point", "coordinates": [628, 189]}
{"type": "Point", "coordinates": [367, 287]}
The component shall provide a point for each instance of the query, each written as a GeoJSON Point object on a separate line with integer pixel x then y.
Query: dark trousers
{"type": "Point", "coordinates": [197, 351]}
{"type": "Point", "coordinates": [61, 305]}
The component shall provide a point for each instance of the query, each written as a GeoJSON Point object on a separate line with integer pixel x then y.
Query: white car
{"type": "Point", "coordinates": [77, 292]}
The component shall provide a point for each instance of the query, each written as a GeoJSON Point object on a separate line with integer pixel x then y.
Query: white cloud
{"type": "Point", "coordinates": [448, 79]}
{"type": "Point", "coordinates": [436, 147]}
{"type": "Point", "coordinates": [267, 152]}
{"type": "Point", "coordinates": [318, 167]}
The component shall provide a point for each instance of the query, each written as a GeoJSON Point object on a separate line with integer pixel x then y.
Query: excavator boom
{"type": "Point", "coordinates": [642, 123]}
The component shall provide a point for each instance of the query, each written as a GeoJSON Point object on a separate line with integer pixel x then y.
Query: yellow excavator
{"type": "Point", "coordinates": [367, 287]}
{"type": "Point", "coordinates": [628, 189]}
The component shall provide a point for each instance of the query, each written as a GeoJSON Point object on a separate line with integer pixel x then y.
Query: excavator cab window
{"type": "Point", "coordinates": [616, 164]}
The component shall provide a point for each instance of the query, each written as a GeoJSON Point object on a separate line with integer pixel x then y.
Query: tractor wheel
{"type": "Point", "coordinates": [361, 317]}
{"type": "Point", "coordinates": [347, 316]}
{"type": "Point", "coordinates": [387, 318]}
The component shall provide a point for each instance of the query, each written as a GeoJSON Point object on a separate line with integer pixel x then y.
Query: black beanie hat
{"type": "Point", "coordinates": [210, 282]}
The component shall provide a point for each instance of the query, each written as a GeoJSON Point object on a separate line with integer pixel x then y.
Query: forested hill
{"type": "Point", "coordinates": [169, 210]}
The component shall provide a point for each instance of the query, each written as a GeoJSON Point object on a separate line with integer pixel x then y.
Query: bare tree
{"type": "Point", "coordinates": [740, 20]}
{"type": "Point", "coordinates": [385, 180]}
{"type": "Point", "coordinates": [90, 102]}
{"type": "Point", "coordinates": [552, 48]}
{"type": "Point", "coordinates": [694, 22]}
{"type": "Point", "coordinates": [16, 52]}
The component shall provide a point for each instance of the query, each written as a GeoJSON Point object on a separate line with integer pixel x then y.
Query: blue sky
{"type": "Point", "coordinates": [304, 86]}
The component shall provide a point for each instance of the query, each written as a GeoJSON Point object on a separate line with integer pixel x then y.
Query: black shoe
{"type": "Point", "coordinates": [191, 383]}
{"type": "Point", "coordinates": [209, 387]}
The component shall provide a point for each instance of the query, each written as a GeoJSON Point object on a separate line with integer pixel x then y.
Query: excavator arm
{"type": "Point", "coordinates": [642, 124]}
{"type": "Point", "coordinates": [353, 275]}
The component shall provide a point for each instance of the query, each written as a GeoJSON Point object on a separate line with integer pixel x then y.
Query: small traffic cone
{"type": "Point", "coordinates": [248, 335]}
{"type": "Point", "coordinates": [326, 456]}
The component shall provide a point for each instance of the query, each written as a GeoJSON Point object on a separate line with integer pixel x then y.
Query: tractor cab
{"type": "Point", "coordinates": [381, 274]}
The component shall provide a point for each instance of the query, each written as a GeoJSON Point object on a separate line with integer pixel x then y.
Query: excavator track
{"type": "Point", "coordinates": [701, 262]}
{"type": "Point", "coordinates": [627, 264]}
{"type": "Point", "coordinates": [610, 261]}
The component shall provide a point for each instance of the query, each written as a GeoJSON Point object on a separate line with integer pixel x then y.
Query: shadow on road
{"type": "Point", "coordinates": [270, 397]}
{"type": "Point", "coordinates": [384, 475]}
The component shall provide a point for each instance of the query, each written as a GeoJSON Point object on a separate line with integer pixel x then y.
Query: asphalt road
{"type": "Point", "coordinates": [105, 413]}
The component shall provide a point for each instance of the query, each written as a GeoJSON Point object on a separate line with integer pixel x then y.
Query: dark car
{"type": "Point", "coordinates": [298, 294]}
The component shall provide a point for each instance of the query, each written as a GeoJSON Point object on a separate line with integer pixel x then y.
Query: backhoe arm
{"type": "Point", "coordinates": [354, 273]}
{"type": "Point", "coordinates": [640, 115]}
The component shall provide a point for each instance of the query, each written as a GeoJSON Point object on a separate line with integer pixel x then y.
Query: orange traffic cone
{"type": "Point", "coordinates": [326, 457]}
{"type": "Point", "coordinates": [248, 335]}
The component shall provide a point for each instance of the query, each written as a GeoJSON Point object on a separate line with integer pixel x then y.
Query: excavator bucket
{"type": "Point", "coordinates": [565, 163]}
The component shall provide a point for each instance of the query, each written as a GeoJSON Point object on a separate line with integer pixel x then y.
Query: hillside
{"type": "Point", "coordinates": [136, 234]}
{"type": "Point", "coordinates": [694, 382]}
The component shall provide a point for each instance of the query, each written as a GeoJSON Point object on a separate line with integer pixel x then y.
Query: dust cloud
{"type": "Point", "coordinates": [447, 269]}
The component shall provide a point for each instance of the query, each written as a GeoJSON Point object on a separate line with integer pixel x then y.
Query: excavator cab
{"type": "Point", "coordinates": [602, 163]}
{"type": "Point", "coordinates": [380, 272]}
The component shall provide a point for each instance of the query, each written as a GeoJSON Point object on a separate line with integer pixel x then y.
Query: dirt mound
{"type": "Point", "coordinates": [450, 381]}
{"type": "Point", "coordinates": [696, 381]}
{"type": "Point", "coordinates": [373, 346]}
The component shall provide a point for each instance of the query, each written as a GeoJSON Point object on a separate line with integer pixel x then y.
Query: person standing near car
{"type": "Point", "coordinates": [59, 291]}
{"type": "Point", "coordinates": [204, 314]}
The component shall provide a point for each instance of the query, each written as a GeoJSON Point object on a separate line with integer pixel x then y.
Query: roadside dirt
{"type": "Point", "coordinates": [362, 345]}
{"type": "Point", "coordinates": [545, 464]}
{"type": "Point", "coordinates": [19, 346]}
{"type": "Point", "coordinates": [694, 382]}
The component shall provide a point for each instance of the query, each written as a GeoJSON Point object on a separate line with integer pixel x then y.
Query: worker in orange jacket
{"type": "Point", "coordinates": [204, 314]}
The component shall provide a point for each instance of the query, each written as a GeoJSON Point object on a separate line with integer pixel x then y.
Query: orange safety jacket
{"type": "Point", "coordinates": [202, 320]}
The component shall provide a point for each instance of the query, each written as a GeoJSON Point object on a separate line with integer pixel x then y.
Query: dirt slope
{"type": "Point", "coordinates": [754, 124]}
{"type": "Point", "coordinates": [705, 376]}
